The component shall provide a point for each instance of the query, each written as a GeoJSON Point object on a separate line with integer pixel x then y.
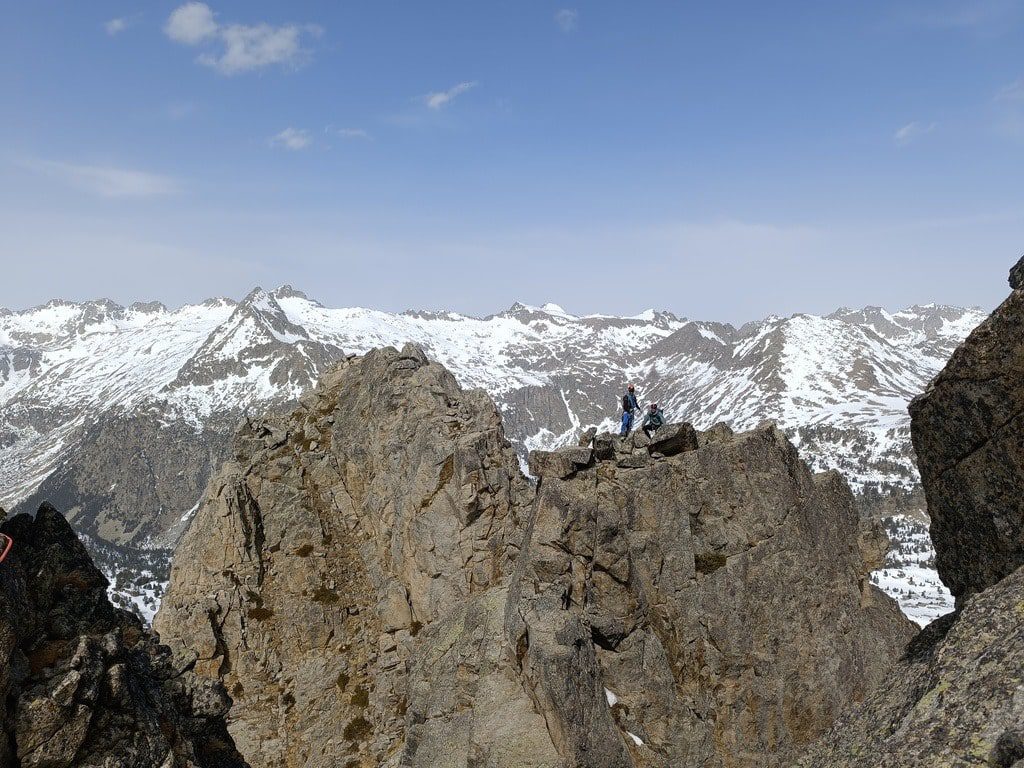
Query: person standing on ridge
{"type": "Point", "coordinates": [629, 407]}
{"type": "Point", "coordinates": [653, 421]}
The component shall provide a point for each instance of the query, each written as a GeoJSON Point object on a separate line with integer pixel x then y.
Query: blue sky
{"type": "Point", "coordinates": [721, 160]}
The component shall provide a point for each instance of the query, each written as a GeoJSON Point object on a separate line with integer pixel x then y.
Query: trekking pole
{"type": "Point", "coordinates": [6, 542]}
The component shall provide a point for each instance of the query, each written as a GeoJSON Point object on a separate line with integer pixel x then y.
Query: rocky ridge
{"type": "Point", "coordinates": [377, 584]}
{"type": "Point", "coordinates": [85, 685]}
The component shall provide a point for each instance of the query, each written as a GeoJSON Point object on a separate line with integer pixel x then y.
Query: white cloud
{"type": "Point", "coordinates": [912, 131]}
{"type": "Point", "coordinates": [1012, 92]}
{"type": "Point", "coordinates": [253, 47]}
{"type": "Point", "coordinates": [292, 138]}
{"type": "Point", "coordinates": [116, 26]}
{"type": "Point", "coordinates": [191, 24]}
{"type": "Point", "coordinates": [242, 47]}
{"type": "Point", "coordinates": [106, 181]}
{"type": "Point", "coordinates": [567, 19]}
{"type": "Point", "coordinates": [439, 99]}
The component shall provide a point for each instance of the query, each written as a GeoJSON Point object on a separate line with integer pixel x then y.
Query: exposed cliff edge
{"type": "Point", "coordinates": [955, 698]}
{"type": "Point", "coordinates": [378, 584]}
{"type": "Point", "coordinates": [85, 685]}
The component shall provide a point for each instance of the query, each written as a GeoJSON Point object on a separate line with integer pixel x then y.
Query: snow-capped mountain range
{"type": "Point", "coordinates": [119, 414]}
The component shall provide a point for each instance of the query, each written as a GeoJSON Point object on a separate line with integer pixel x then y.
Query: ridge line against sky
{"type": "Point", "coordinates": [728, 162]}
{"type": "Point", "coordinates": [550, 307]}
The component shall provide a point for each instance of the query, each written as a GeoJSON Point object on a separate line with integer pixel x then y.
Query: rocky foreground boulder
{"type": "Point", "coordinates": [968, 431]}
{"type": "Point", "coordinates": [956, 698]}
{"type": "Point", "coordinates": [378, 584]}
{"type": "Point", "coordinates": [85, 685]}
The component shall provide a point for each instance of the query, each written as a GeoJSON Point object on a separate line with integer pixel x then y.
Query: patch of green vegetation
{"type": "Point", "coordinates": [358, 729]}
{"type": "Point", "coordinates": [361, 697]}
{"type": "Point", "coordinates": [708, 562]}
{"type": "Point", "coordinates": [324, 595]}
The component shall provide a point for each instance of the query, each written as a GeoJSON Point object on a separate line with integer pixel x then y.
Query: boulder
{"type": "Point", "coordinates": [672, 439]}
{"type": "Point", "coordinates": [968, 432]}
{"type": "Point", "coordinates": [587, 438]}
{"type": "Point", "coordinates": [561, 463]}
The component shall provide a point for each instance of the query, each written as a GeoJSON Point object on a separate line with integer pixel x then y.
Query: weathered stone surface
{"type": "Point", "coordinates": [955, 699]}
{"type": "Point", "coordinates": [86, 686]}
{"type": "Point", "coordinates": [672, 439]}
{"type": "Point", "coordinates": [376, 583]}
{"type": "Point", "coordinates": [968, 431]}
{"type": "Point", "coordinates": [720, 594]}
{"type": "Point", "coordinates": [312, 577]}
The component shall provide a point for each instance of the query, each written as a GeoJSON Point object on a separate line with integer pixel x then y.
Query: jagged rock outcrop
{"type": "Point", "coordinates": [968, 431]}
{"type": "Point", "coordinates": [377, 584]}
{"type": "Point", "coordinates": [388, 500]}
{"type": "Point", "coordinates": [1017, 275]}
{"type": "Point", "coordinates": [85, 685]}
{"type": "Point", "coordinates": [714, 587]}
{"type": "Point", "coordinates": [956, 698]}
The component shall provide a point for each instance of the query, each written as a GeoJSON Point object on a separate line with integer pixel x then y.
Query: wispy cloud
{"type": "Point", "coordinates": [238, 47]}
{"type": "Point", "coordinates": [348, 133]}
{"type": "Point", "coordinates": [293, 139]}
{"type": "Point", "coordinates": [1012, 92]}
{"type": "Point", "coordinates": [440, 99]}
{"type": "Point", "coordinates": [567, 18]}
{"type": "Point", "coordinates": [104, 180]}
{"type": "Point", "coordinates": [116, 26]}
{"type": "Point", "coordinates": [913, 131]}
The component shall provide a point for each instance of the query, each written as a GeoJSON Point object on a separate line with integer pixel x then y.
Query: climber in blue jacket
{"type": "Point", "coordinates": [629, 407]}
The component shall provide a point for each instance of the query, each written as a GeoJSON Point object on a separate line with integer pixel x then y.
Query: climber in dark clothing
{"type": "Point", "coordinates": [629, 407]}
{"type": "Point", "coordinates": [654, 420]}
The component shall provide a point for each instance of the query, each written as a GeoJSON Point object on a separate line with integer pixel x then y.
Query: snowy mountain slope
{"type": "Point", "coordinates": [839, 383]}
{"type": "Point", "coordinates": [121, 414]}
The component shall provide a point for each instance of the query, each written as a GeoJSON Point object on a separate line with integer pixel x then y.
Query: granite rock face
{"type": "Point", "coordinates": [717, 597]}
{"type": "Point", "coordinates": [377, 584]}
{"type": "Point", "coordinates": [954, 700]}
{"type": "Point", "coordinates": [387, 500]}
{"type": "Point", "coordinates": [956, 697]}
{"type": "Point", "coordinates": [85, 685]}
{"type": "Point", "coordinates": [968, 431]}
